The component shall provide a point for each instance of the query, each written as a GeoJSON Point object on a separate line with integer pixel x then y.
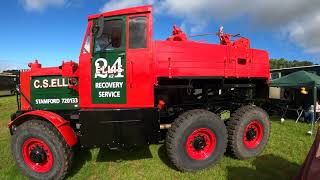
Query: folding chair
{"type": "Point", "coordinates": [299, 111]}
{"type": "Point", "coordinates": [284, 110]}
{"type": "Point", "coordinates": [318, 117]}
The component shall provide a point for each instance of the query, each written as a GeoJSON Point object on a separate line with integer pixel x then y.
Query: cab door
{"type": "Point", "coordinates": [122, 63]}
{"type": "Point", "coordinates": [108, 66]}
{"type": "Point", "coordinates": [140, 61]}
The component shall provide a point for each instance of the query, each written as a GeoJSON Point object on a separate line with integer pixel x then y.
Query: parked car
{"type": "Point", "coordinates": [7, 84]}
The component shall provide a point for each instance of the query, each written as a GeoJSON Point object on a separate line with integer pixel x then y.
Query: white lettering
{"type": "Point", "coordinates": [54, 83]}
{"type": "Point", "coordinates": [103, 70]}
{"type": "Point", "coordinates": [64, 82]}
{"type": "Point", "coordinates": [45, 83]}
{"type": "Point", "coordinates": [105, 85]}
{"type": "Point", "coordinates": [47, 101]}
{"type": "Point", "coordinates": [114, 94]}
{"type": "Point", "coordinates": [57, 101]}
{"type": "Point", "coordinates": [36, 84]}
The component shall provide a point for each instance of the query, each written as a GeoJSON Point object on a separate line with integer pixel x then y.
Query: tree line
{"type": "Point", "coordinates": [284, 63]}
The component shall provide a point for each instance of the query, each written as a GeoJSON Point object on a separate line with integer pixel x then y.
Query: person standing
{"type": "Point", "coordinates": [308, 115]}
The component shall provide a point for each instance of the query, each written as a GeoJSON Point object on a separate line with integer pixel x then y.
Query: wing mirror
{"type": "Point", "coordinates": [98, 27]}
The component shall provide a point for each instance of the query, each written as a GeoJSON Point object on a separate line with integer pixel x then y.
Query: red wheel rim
{"type": "Point", "coordinates": [201, 144]}
{"type": "Point", "coordinates": [253, 134]}
{"type": "Point", "coordinates": [37, 155]}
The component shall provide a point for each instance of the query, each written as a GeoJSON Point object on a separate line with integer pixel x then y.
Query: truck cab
{"type": "Point", "coordinates": [118, 60]}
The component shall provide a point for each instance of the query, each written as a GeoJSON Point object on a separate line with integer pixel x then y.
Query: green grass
{"type": "Point", "coordinates": [287, 149]}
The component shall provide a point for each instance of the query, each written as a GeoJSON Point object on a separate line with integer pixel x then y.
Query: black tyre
{"type": "Point", "coordinates": [196, 140]}
{"type": "Point", "coordinates": [40, 151]}
{"type": "Point", "coordinates": [248, 132]}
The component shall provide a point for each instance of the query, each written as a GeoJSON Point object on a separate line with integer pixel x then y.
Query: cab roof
{"type": "Point", "coordinates": [133, 10]}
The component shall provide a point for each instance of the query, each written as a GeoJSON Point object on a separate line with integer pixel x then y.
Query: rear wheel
{"type": "Point", "coordinates": [40, 151]}
{"type": "Point", "coordinates": [196, 140]}
{"type": "Point", "coordinates": [248, 132]}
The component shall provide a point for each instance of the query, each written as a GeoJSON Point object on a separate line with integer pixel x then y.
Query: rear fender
{"type": "Point", "coordinates": [62, 125]}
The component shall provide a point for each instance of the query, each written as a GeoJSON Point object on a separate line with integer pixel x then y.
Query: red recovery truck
{"type": "Point", "coordinates": [129, 90]}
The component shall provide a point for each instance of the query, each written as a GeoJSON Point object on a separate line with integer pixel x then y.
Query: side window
{"type": "Point", "coordinates": [275, 75]}
{"type": "Point", "coordinates": [86, 48]}
{"type": "Point", "coordinates": [138, 32]}
{"type": "Point", "coordinates": [111, 36]}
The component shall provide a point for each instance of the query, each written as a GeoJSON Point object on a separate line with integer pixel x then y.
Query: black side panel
{"type": "Point", "coordinates": [119, 127]}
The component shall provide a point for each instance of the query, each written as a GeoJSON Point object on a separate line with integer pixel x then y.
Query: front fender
{"type": "Point", "coordinates": [62, 125]}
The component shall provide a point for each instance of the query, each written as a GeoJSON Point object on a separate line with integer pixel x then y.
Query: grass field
{"type": "Point", "coordinates": [287, 149]}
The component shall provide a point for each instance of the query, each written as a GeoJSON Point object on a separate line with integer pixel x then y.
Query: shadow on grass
{"type": "Point", "coordinates": [107, 155]}
{"type": "Point", "coordinates": [162, 153]}
{"type": "Point", "coordinates": [6, 95]}
{"type": "Point", "coordinates": [266, 167]}
{"type": "Point", "coordinates": [81, 156]}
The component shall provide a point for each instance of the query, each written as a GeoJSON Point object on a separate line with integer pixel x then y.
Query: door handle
{"type": "Point", "coordinates": [131, 74]}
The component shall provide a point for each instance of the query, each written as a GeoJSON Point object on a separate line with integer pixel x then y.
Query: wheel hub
{"type": "Point", "coordinates": [199, 143]}
{"type": "Point", "coordinates": [38, 155]}
{"type": "Point", "coordinates": [251, 134]}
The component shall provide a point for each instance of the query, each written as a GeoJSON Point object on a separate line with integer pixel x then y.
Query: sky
{"type": "Point", "coordinates": [53, 30]}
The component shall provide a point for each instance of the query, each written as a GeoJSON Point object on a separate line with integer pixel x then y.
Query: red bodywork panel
{"type": "Point", "coordinates": [25, 79]}
{"type": "Point", "coordinates": [61, 124]}
{"type": "Point", "coordinates": [175, 57]}
{"type": "Point", "coordinates": [127, 11]}
{"type": "Point", "coordinates": [194, 59]}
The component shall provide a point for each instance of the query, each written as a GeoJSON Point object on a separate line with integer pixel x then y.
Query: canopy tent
{"type": "Point", "coordinates": [297, 79]}
{"type": "Point", "coordinates": [300, 79]}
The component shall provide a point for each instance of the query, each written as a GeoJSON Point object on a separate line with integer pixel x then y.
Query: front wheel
{"type": "Point", "coordinates": [40, 151]}
{"type": "Point", "coordinates": [196, 140]}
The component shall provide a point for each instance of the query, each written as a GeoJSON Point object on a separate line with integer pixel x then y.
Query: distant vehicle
{"type": "Point", "coordinates": [7, 84]}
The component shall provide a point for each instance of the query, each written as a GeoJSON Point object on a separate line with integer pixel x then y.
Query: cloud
{"type": "Point", "coordinates": [277, 13]}
{"type": "Point", "coordinates": [306, 33]}
{"type": "Point", "coordinates": [9, 66]}
{"type": "Point", "coordinates": [120, 4]}
{"type": "Point", "coordinates": [198, 14]}
{"type": "Point", "coordinates": [40, 5]}
{"type": "Point", "coordinates": [298, 20]}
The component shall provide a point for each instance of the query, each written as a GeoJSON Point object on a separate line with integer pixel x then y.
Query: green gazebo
{"type": "Point", "coordinates": [300, 79]}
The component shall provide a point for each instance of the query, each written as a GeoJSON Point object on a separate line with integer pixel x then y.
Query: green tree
{"type": "Point", "coordinates": [284, 63]}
